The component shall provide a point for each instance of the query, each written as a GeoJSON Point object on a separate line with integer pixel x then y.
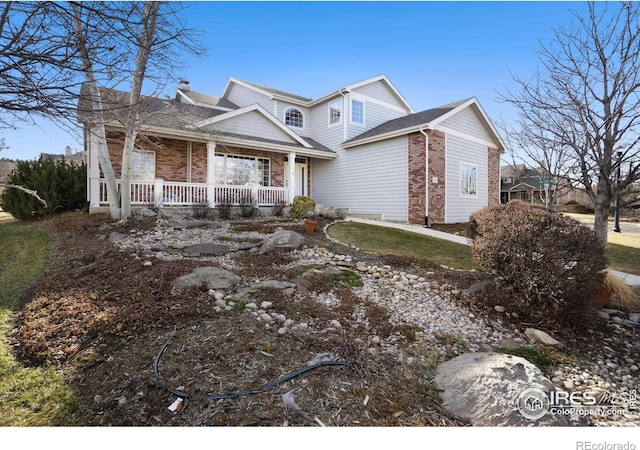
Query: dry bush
{"type": "Point", "coordinates": [622, 295]}
{"type": "Point", "coordinates": [548, 265]}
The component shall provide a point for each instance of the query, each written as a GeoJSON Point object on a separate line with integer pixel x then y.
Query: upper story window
{"type": "Point", "coordinates": [294, 118]}
{"type": "Point", "coordinates": [357, 111]}
{"type": "Point", "coordinates": [143, 165]}
{"type": "Point", "coordinates": [335, 112]}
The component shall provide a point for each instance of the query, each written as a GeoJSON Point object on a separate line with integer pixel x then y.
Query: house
{"type": "Point", "coordinates": [520, 182]}
{"type": "Point", "coordinates": [361, 148]}
{"type": "Point", "coordinates": [77, 158]}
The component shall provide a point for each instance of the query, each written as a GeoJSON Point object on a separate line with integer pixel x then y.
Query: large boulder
{"type": "Point", "coordinates": [491, 389]}
{"type": "Point", "coordinates": [281, 241]}
{"type": "Point", "coordinates": [208, 278]}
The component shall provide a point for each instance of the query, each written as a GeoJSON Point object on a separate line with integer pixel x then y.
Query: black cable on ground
{"type": "Point", "coordinates": [277, 382]}
{"type": "Point", "coordinates": [266, 387]}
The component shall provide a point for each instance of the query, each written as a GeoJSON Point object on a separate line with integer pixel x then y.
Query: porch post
{"type": "Point", "coordinates": [93, 174]}
{"type": "Point", "coordinates": [292, 176]}
{"type": "Point", "coordinates": [211, 171]}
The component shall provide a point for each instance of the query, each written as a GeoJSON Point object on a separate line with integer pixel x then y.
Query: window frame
{"type": "Point", "coordinates": [467, 180]}
{"type": "Point", "coordinates": [294, 109]}
{"type": "Point", "coordinates": [354, 100]}
{"type": "Point", "coordinates": [339, 109]}
{"type": "Point", "coordinates": [135, 172]}
{"type": "Point", "coordinates": [260, 175]}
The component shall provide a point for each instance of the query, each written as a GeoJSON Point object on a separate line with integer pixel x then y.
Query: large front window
{"type": "Point", "coordinates": [143, 165]}
{"type": "Point", "coordinates": [242, 170]}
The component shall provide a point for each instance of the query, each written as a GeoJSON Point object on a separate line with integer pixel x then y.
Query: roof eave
{"type": "Point", "coordinates": [172, 133]}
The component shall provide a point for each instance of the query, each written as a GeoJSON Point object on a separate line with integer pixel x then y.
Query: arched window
{"type": "Point", "coordinates": [293, 118]}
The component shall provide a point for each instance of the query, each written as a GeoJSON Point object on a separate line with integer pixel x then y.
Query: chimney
{"type": "Point", "coordinates": [67, 151]}
{"type": "Point", "coordinates": [185, 85]}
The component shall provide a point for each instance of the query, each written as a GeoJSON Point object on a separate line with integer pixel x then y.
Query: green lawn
{"type": "Point", "coordinates": [28, 396]}
{"type": "Point", "coordinates": [383, 240]}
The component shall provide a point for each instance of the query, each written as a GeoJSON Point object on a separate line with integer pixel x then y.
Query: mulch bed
{"type": "Point", "coordinates": [103, 318]}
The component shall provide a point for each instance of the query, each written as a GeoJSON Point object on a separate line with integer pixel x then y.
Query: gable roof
{"type": "Point", "coordinates": [427, 119]}
{"type": "Point", "coordinates": [206, 100]}
{"type": "Point", "coordinates": [172, 119]}
{"type": "Point", "coordinates": [306, 101]}
{"type": "Point", "coordinates": [263, 112]}
{"type": "Point", "coordinates": [269, 92]}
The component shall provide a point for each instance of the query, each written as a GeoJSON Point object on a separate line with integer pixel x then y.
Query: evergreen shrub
{"type": "Point", "coordinates": [62, 185]}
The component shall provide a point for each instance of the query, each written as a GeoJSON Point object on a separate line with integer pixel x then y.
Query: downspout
{"type": "Point", "coordinates": [426, 177]}
{"type": "Point", "coordinates": [344, 111]}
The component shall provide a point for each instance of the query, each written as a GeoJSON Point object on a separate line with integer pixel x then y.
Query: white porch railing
{"type": "Point", "coordinates": [172, 193]}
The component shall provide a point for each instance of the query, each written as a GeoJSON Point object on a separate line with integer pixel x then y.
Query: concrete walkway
{"type": "Point", "coordinates": [631, 280]}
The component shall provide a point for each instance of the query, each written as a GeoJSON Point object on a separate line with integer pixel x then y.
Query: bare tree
{"type": "Point", "coordinates": [57, 59]}
{"type": "Point", "coordinates": [582, 108]}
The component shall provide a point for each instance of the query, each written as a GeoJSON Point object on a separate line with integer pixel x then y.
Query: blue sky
{"type": "Point", "coordinates": [433, 52]}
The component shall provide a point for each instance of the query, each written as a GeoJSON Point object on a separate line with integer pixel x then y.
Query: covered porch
{"type": "Point", "coordinates": [181, 173]}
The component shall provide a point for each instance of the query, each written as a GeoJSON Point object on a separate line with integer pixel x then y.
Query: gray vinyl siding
{"type": "Point", "coordinates": [252, 124]}
{"type": "Point", "coordinates": [468, 121]}
{"type": "Point", "coordinates": [243, 96]}
{"type": "Point", "coordinates": [380, 91]}
{"type": "Point", "coordinates": [282, 106]}
{"type": "Point", "coordinates": [329, 136]}
{"type": "Point", "coordinates": [458, 208]}
{"type": "Point", "coordinates": [374, 115]}
{"type": "Point", "coordinates": [370, 179]}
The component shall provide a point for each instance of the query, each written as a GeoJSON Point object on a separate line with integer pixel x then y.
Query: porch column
{"type": "Point", "coordinates": [211, 172]}
{"type": "Point", "coordinates": [292, 176]}
{"type": "Point", "coordinates": [93, 173]}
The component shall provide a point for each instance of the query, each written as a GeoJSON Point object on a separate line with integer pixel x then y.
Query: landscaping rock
{"type": "Point", "coordinates": [209, 278]}
{"type": "Point", "coordinates": [208, 249]}
{"type": "Point", "coordinates": [281, 241]}
{"type": "Point", "coordinates": [485, 387]}
{"type": "Point", "coordinates": [540, 337]}
{"type": "Point", "coordinates": [146, 212]}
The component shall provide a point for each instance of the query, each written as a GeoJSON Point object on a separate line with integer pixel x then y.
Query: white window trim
{"type": "Point", "coordinates": [284, 117]}
{"type": "Point", "coordinates": [463, 194]}
{"type": "Point", "coordinates": [340, 102]}
{"type": "Point", "coordinates": [155, 168]}
{"type": "Point", "coordinates": [364, 112]}
{"type": "Point", "coordinates": [255, 172]}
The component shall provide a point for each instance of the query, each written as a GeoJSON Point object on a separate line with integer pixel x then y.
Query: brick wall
{"type": "Point", "coordinates": [494, 176]}
{"type": "Point", "coordinates": [172, 161]}
{"type": "Point", "coordinates": [416, 178]}
{"type": "Point", "coordinates": [437, 159]}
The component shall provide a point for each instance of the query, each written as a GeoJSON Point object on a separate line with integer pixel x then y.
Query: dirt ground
{"type": "Point", "coordinates": [129, 346]}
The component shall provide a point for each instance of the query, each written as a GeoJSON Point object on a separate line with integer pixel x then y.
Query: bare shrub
{"type": "Point", "coordinates": [549, 266]}
{"type": "Point", "coordinates": [201, 209]}
{"type": "Point", "coordinates": [223, 205]}
{"type": "Point", "coordinates": [248, 206]}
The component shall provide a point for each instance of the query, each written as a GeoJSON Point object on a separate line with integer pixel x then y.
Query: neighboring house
{"type": "Point", "coordinates": [519, 182]}
{"type": "Point", "coordinates": [77, 158]}
{"type": "Point", "coordinates": [360, 148]}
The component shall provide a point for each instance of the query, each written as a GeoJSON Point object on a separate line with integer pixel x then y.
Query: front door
{"type": "Point", "coordinates": [301, 178]}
